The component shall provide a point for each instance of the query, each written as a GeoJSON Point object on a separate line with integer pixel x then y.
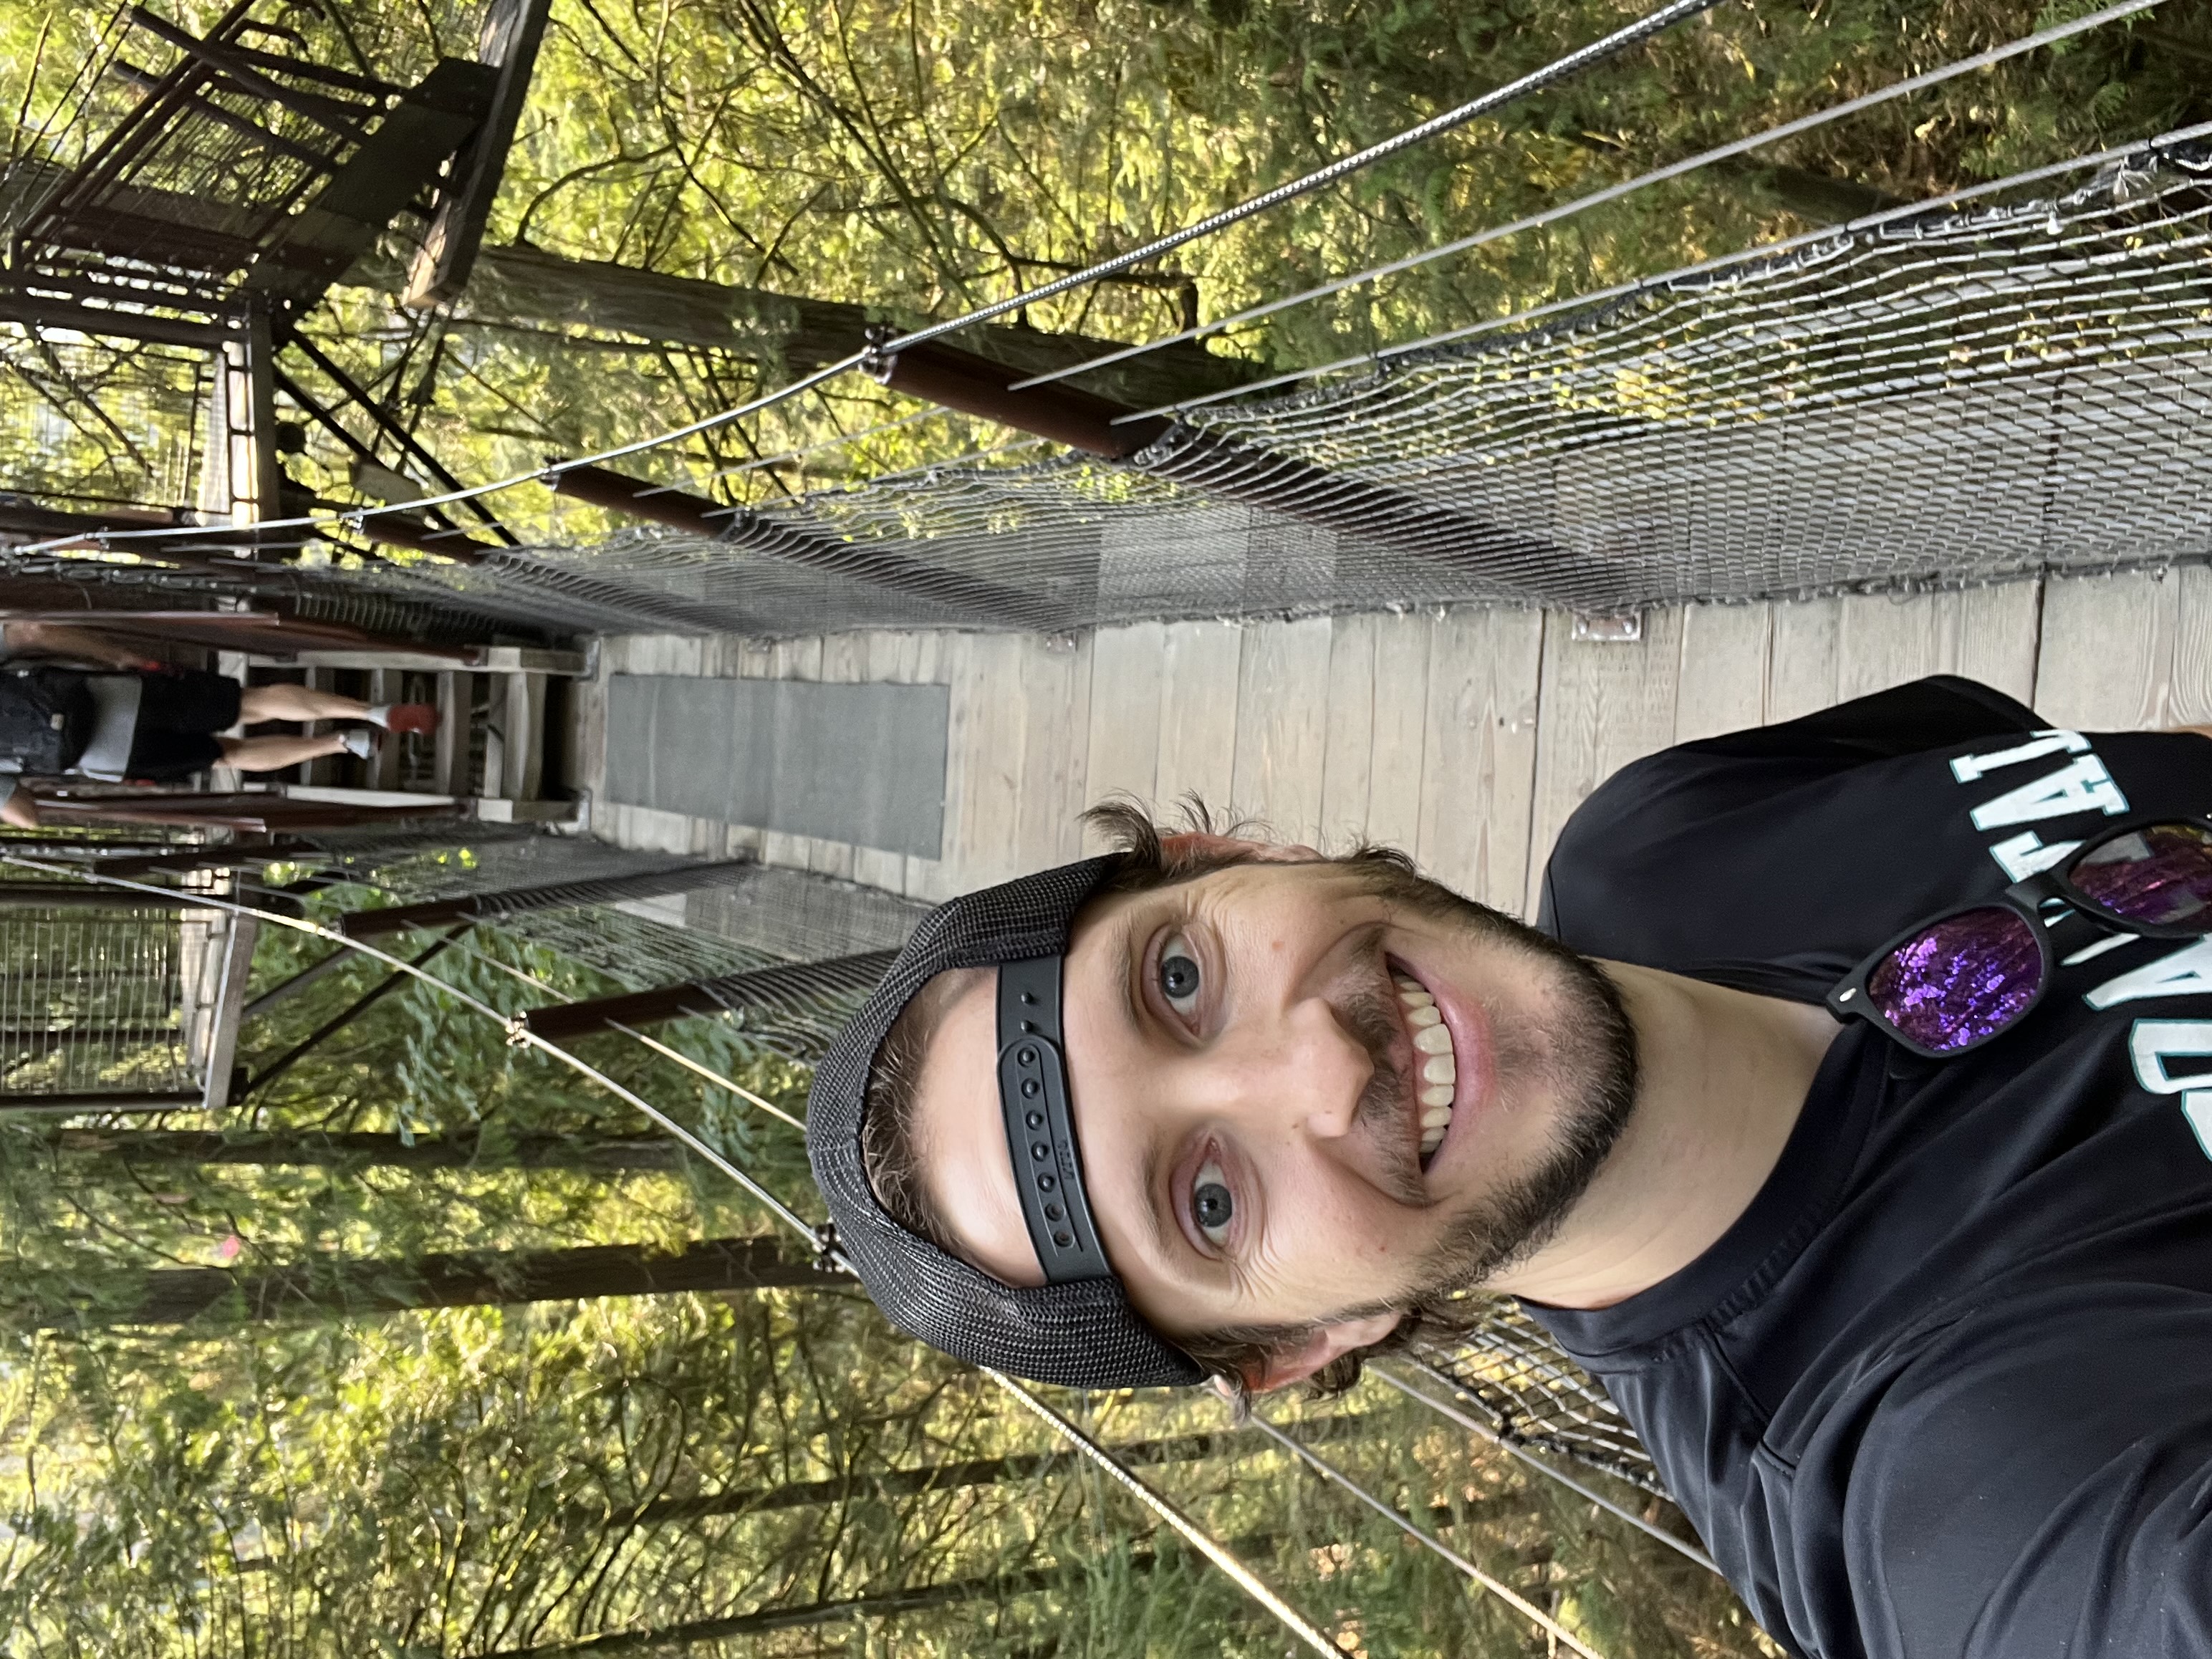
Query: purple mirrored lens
{"type": "Point", "coordinates": [2159, 875]}
{"type": "Point", "coordinates": [1960, 979]}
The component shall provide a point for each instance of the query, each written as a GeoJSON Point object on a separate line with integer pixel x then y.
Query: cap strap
{"type": "Point", "coordinates": [1040, 1128]}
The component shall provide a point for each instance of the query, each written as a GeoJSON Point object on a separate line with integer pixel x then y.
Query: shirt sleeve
{"type": "Point", "coordinates": [2042, 1483]}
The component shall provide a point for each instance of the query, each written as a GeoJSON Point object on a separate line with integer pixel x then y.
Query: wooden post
{"type": "Point", "coordinates": [509, 42]}
{"type": "Point", "coordinates": [240, 480]}
{"type": "Point", "coordinates": [489, 907]}
{"type": "Point", "coordinates": [756, 987]}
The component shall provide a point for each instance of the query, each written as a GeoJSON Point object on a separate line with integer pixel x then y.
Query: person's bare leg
{"type": "Point", "coordinates": [287, 701]}
{"type": "Point", "coordinates": [273, 754]}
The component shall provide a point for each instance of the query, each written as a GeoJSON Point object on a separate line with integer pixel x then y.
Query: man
{"type": "Point", "coordinates": [1920, 1343]}
{"type": "Point", "coordinates": [147, 722]}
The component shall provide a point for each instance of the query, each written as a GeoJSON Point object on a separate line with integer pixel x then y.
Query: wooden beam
{"type": "Point", "coordinates": [167, 1100]}
{"type": "Point", "coordinates": [69, 896]}
{"type": "Point", "coordinates": [384, 174]}
{"type": "Point", "coordinates": [512, 32]}
{"type": "Point", "coordinates": [1206, 463]}
{"type": "Point", "coordinates": [49, 311]}
{"type": "Point", "coordinates": [758, 987]}
{"type": "Point", "coordinates": [489, 907]}
{"type": "Point", "coordinates": [529, 285]}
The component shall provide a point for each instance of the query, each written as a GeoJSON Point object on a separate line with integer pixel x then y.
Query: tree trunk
{"type": "Point", "coordinates": [360, 1151]}
{"type": "Point", "coordinates": [528, 286]}
{"type": "Point", "coordinates": [991, 1587]}
{"type": "Point", "coordinates": [910, 1483]}
{"type": "Point", "coordinates": [1821, 197]}
{"type": "Point", "coordinates": [944, 1477]}
{"type": "Point", "coordinates": [343, 1288]}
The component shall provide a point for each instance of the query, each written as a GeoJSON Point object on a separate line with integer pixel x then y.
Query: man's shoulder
{"type": "Point", "coordinates": [1754, 846]}
{"type": "Point", "coordinates": [2039, 1469]}
{"type": "Point", "coordinates": [1939, 712]}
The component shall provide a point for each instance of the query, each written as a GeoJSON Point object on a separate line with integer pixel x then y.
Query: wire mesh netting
{"type": "Point", "coordinates": [711, 921]}
{"type": "Point", "coordinates": [796, 1015]}
{"type": "Point", "coordinates": [1533, 1395]}
{"type": "Point", "coordinates": [92, 1003]}
{"type": "Point", "coordinates": [430, 860]}
{"type": "Point", "coordinates": [1972, 393]}
{"type": "Point", "coordinates": [97, 424]}
{"type": "Point", "coordinates": [105, 1003]}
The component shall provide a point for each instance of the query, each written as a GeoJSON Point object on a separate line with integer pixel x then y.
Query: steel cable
{"type": "Point", "coordinates": [1613, 193]}
{"type": "Point", "coordinates": [1560, 68]}
{"type": "Point", "coordinates": [1505, 1592]}
{"type": "Point", "coordinates": [521, 1035]}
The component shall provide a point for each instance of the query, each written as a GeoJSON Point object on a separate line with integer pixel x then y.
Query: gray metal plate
{"type": "Point", "coordinates": [857, 763]}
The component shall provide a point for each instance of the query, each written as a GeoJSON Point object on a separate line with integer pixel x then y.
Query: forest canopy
{"type": "Point", "coordinates": [338, 1373]}
{"type": "Point", "coordinates": [706, 198]}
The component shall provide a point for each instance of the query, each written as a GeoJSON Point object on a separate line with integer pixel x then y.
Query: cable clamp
{"type": "Point", "coordinates": [875, 362]}
{"type": "Point", "coordinates": [827, 1252]}
{"type": "Point", "coordinates": [518, 1031]}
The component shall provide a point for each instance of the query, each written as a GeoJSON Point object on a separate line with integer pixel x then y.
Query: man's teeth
{"type": "Point", "coordinates": [1439, 1068]}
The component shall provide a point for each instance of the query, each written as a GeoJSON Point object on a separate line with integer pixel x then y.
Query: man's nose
{"type": "Point", "coordinates": [1301, 1069]}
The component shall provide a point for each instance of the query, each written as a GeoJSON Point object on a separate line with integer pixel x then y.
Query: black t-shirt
{"type": "Point", "coordinates": [1945, 1388]}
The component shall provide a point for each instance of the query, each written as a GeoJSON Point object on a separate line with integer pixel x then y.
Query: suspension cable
{"type": "Point", "coordinates": [517, 1033]}
{"type": "Point", "coordinates": [1474, 1425]}
{"type": "Point", "coordinates": [657, 1046]}
{"type": "Point", "coordinates": [1581, 204]}
{"type": "Point", "coordinates": [1329, 1472]}
{"type": "Point", "coordinates": [522, 1036]}
{"type": "Point", "coordinates": [1559, 70]}
{"type": "Point", "coordinates": [2119, 153]}
{"type": "Point", "coordinates": [1245, 1579]}
{"type": "Point", "coordinates": [710, 1074]}
{"type": "Point", "coordinates": [1619, 41]}
{"type": "Point", "coordinates": [355, 516]}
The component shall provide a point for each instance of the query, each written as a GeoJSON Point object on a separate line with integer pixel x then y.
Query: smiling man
{"type": "Point", "coordinates": [1839, 1114]}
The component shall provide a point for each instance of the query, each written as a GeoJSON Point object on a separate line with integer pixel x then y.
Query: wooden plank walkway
{"type": "Point", "coordinates": [1466, 736]}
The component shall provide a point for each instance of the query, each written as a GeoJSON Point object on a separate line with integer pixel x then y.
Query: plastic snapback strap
{"type": "Point", "coordinates": [1040, 1128]}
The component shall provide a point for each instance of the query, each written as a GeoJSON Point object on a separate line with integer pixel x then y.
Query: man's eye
{"type": "Point", "coordinates": [1211, 1205]}
{"type": "Point", "coordinates": [1179, 975]}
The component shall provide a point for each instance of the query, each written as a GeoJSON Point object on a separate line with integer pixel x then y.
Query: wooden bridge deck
{"type": "Point", "coordinates": [1465, 736]}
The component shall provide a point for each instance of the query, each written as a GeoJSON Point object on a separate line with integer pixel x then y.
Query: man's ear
{"type": "Point", "coordinates": [1330, 1342]}
{"type": "Point", "coordinates": [1199, 844]}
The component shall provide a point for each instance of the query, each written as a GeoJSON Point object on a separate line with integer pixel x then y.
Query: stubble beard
{"type": "Point", "coordinates": [1581, 1057]}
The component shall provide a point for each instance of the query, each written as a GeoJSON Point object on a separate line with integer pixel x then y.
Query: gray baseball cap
{"type": "Point", "coordinates": [1077, 1329]}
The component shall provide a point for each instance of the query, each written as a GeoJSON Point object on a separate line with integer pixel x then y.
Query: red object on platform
{"type": "Point", "coordinates": [411, 717]}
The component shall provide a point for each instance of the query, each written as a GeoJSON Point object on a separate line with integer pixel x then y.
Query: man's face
{"type": "Point", "coordinates": [1261, 1063]}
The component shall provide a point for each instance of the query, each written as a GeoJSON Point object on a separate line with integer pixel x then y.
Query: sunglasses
{"type": "Point", "coordinates": [1953, 983]}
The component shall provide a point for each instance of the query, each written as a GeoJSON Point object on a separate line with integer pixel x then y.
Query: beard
{"type": "Point", "coordinates": [1584, 1056]}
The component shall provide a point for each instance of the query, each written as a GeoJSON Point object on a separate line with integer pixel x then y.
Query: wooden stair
{"type": "Point", "coordinates": [487, 759]}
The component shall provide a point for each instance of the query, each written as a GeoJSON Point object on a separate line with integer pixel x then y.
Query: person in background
{"type": "Point", "coordinates": [75, 703]}
{"type": "Point", "coordinates": [1846, 1112]}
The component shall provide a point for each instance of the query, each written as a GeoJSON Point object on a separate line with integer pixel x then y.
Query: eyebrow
{"type": "Point", "coordinates": [1134, 945]}
{"type": "Point", "coordinates": [1148, 1171]}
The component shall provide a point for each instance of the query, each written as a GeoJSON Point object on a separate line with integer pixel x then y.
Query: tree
{"type": "Point", "coordinates": [354, 1289]}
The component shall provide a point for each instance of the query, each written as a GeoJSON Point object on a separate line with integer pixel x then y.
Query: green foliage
{"type": "Point", "coordinates": [919, 157]}
{"type": "Point", "coordinates": [485, 1481]}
